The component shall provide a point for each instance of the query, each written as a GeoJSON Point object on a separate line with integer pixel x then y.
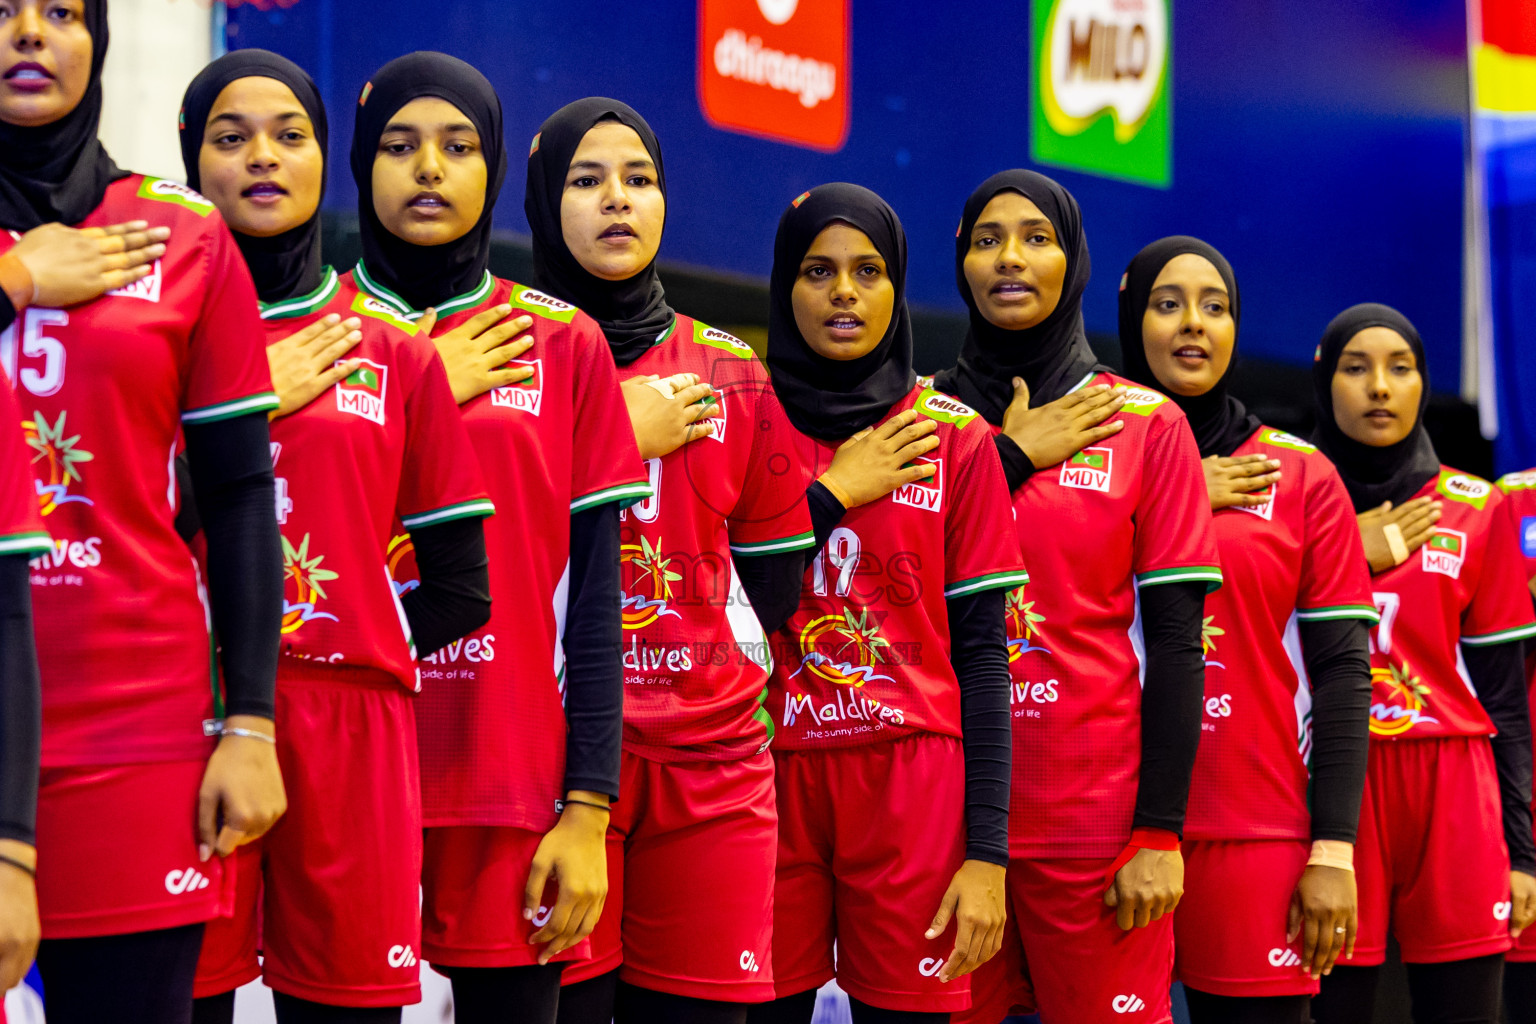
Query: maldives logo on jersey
{"type": "Point", "coordinates": [303, 585]}
{"type": "Point", "coordinates": [1089, 470]}
{"type": "Point", "coordinates": [649, 589]}
{"type": "Point", "coordinates": [146, 287]}
{"type": "Point", "coordinates": [1398, 700]}
{"type": "Point", "coordinates": [361, 393]}
{"type": "Point", "coordinates": [924, 494]}
{"type": "Point", "coordinates": [1265, 511]}
{"type": "Point", "coordinates": [525, 395]}
{"type": "Point", "coordinates": [1444, 552]}
{"type": "Point", "coordinates": [1209, 631]}
{"type": "Point", "coordinates": [842, 648]}
{"type": "Point", "coordinates": [57, 461]}
{"type": "Point", "coordinates": [1023, 626]}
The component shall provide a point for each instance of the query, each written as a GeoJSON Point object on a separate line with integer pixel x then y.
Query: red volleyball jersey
{"type": "Point", "coordinates": [1127, 513]}
{"type": "Point", "coordinates": [1465, 585]}
{"type": "Point", "coordinates": [104, 387]}
{"type": "Point", "coordinates": [383, 443]}
{"type": "Point", "coordinates": [695, 658]}
{"type": "Point", "coordinates": [1520, 492]}
{"type": "Point", "coordinates": [865, 656]}
{"type": "Point", "coordinates": [1296, 559]}
{"type": "Point", "coordinates": [21, 527]}
{"type": "Point", "coordinates": [490, 724]}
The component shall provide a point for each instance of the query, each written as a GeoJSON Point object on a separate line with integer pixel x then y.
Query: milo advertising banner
{"type": "Point", "coordinates": [1101, 92]}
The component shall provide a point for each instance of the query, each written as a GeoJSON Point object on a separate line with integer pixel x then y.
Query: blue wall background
{"type": "Point", "coordinates": [1318, 143]}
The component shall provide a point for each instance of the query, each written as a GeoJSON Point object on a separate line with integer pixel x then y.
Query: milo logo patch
{"type": "Point", "coordinates": [1141, 401]}
{"type": "Point", "coordinates": [545, 305]}
{"type": "Point", "coordinates": [166, 191]}
{"type": "Point", "coordinates": [716, 338]}
{"type": "Point", "coordinates": [1280, 439]}
{"type": "Point", "coordinates": [940, 406]}
{"type": "Point", "coordinates": [367, 305]}
{"type": "Point", "coordinates": [1467, 489]}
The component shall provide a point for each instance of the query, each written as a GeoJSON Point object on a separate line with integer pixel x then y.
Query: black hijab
{"type": "Point", "coordinates": [1220, 422]}
{"type": "Point", "coordinates": [424, 275]}
{"type": "Point", "coordinates": [284, 265]}
{"type": "Point", "coordinates": [633, 313]}
{"type": "Point", "coordinates": [1372, 475]}
{"type": "Point", "coordinates": [830, 398]}
{"type": "Point", "coordinates": [59, 171]}
{"type": "Point", "coordinates": [1052, 356]}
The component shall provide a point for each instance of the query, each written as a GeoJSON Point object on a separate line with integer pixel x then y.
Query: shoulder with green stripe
{"type": "Point", "coordinates": [1509, 483]}
{"type": "Point", "coordinates": [1280, 439]}
{"type": "Point", "coordinates": [540, 304]}
{"type": "Point", "coordinates": [28, 542]}
{"type": "Point", "coordinates": [714, 337]}
{"type": "Point", "coordinates": [1139, 401]}
{"type": "Point", "coordinates": [936, 405]}
{"type": "Point", "coordinates": [164, 190]}
{"type": "Point", "coordinates": [1455, 485]}
{"type": "Point", "coordinates": [366, 305]}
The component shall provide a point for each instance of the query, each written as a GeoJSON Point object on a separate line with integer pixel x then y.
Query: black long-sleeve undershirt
{"type": "Point", "coordinates": [7, 310]}
{"type": "Point", "coordinates": [1337, 657]}
{"type": "Point", "coordinates": [772, 584]}
{"type": "Point", "coordinates": [979, 654]}
{"type": "Point", "coordinates": [229, 464]}
{"type": "Point", "coordinates": [593, 644]}
{"type": "Point", "coordinates": [21, 703]}
{"type": "Point", "coordinates": [1172, 698]}
{"type": "Point", "coordinates": [454, 598]}
{"type": "Point", "coordinates": [1017, 467]}
{"type": "Point", "coordinates": [1498, 675]}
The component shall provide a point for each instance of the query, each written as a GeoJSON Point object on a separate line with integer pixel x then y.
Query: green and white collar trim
{"type": "Point", "coordinates": [301, 305]}
{"type": "Point", "coordinates": [469, 299]}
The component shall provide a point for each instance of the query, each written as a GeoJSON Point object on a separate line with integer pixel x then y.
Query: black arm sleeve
{"type": "Point", "coordinates": [1337, 656]}
{"type": "Point", "coordinates": [979, 642]}
{"type": "Point", "coordinates": [593, 643]}
{"type": "Point", "coordinates": [1172, 697]}
{"type": "Point", "coordinates": [772, 583]}
{"type": "Point", "coordinates": [188, 524]}
{"type": "Point", "coordinates": [1498, 676]}
{"type": "Point", "coordinates": [7, 310]}
{"type": "Point", "coordinates": [454, 598]}
{"type": "Point", "coordinates": [826, 513]}
{"type": "Point", "coordinates": [21, 703]}
{"type": "Point", "coordinates": [1016, 465]}
{"type": "Point", "coordinates": [230, 466]}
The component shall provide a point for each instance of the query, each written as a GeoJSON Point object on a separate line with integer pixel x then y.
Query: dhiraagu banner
{"type": "Point", "coordinates": [1100, 102]}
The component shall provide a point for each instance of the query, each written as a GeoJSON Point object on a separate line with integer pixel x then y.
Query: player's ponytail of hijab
{"type": "Point", "coordinates": [424, 275]}
{"type": "Point", "coordinates": [1220, 422]}
{"type": "Point", "coordinates": [59, 171]}
{"type": "Point", "coordinates": [830, 398]}
{"type": "Point", "coordinates": [1372, 475]}
{"type": "Point", "coordinates": [1053, 356]}
{"type": "Point", "coordinates": [633, 313]}
{"type": "Point", "coordinates": [287, 264]}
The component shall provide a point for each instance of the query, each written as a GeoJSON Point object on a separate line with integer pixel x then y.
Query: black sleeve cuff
{"type": "Point", "coordinates": [1017, 468]}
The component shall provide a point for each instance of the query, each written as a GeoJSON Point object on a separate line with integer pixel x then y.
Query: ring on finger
{"type": "Point", "coordinates": [1339, 930]}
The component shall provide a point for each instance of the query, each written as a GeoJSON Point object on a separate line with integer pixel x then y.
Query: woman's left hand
{"type": "Point", "coordinates": [976, 899]}
{"type": "Point", "coordinates": [575, 855]}
{"type": "Point", "coordinates": [242, 785]}
{"type": "Point", "coordinates": [1522, 902]}
{"type": "Point", "coordinates": [1325, 912]}
{"type": "Point", "coordinates": [1149, 886]}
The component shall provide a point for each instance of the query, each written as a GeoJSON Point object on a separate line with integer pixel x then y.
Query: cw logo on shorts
{"type": "Point", "coordinates": [1127, 1004]}
{"type": "Point", "coordinates": [1279, 957]}
{"type": "Point", "coordinates": [542, 915]}
{"type": "Point", "coordinates": [188, 880]}
{"type": "Point", "coordinates": [929, 966]}
{"type": "Point", "coordinates": [748, 961]}
{"type": "Point", "coordinates": [401, 956]}
{"type": "Point", "coordinates": [1502, 909]}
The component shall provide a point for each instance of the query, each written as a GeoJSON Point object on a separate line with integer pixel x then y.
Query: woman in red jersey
{"type": "Point", "coordinates": [710, 564]}
{"type": "Point", "coordinates": [891, 677]}
{"type": "Point", "coordinates": [371, 439]}
{"type": "Point", "coordinates": [520, 725]}
{"type": "Point", "coordinates": [1444, 859]}
{"type": "Point", "coordinates": [139, 766]}
{"type": "Point", "coordinates": [1276, 792]}
{"type": "Point", "coordinates": [1104, 645]}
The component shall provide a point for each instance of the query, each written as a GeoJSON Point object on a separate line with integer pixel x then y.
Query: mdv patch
{"type": "Point", "coordinates": [1091, 469]}
{"type": "Point", "coordinates": [526, 395]}
{"type": "Point", "coordinates": [362, 392]}
{"type": "Point", "coordinates": [146, 287]}
{"type": "Point", "coordinates": [1445, 552]}
{"type": "Point", "coordinates": [1265, 511]}
{"type": "Point", "coordinates": [924, 494]}
{"type": "Point", "coordinates": [1528, 536]}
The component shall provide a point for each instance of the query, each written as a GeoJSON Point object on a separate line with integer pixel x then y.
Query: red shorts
{"type": "Point", "coordinates": [1064, 956]}
{"type": "Point", "coordinates": [472, 899]}
{"type": "Point", "coordinates": [1431, 862]}
{"type": "Point", "coordinates": [117, 851]}
{"type": "Point", "coordinates": [691, 848]}
{"type": "Point", "coordinates": [1230, 928]}
{"type": "Point", "coordinates": [340, 873]}
{"type": "Point", "coordinates": [863, 866]}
